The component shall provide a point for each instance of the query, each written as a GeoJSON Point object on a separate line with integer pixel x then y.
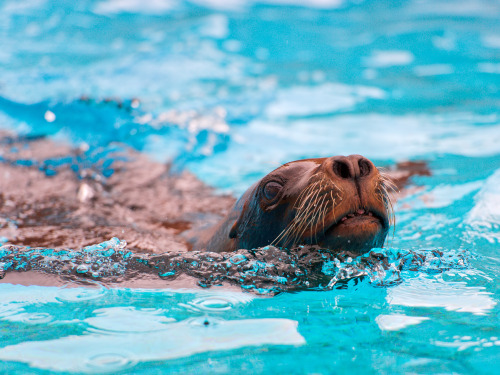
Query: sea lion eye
{"type": "Point", "coordinates": [272, 189]}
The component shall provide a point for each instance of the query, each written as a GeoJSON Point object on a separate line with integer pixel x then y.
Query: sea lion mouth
{"type": "Point", "coordinates": [361, 215]}
{"type": "Point", "coordinates": [357, 222]}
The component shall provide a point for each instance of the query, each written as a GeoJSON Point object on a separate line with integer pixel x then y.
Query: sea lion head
{"type": "Point", "coordinates": [339, 203]}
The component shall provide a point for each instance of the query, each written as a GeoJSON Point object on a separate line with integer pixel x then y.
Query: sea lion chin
{"type": "Point", "coordinates": [339, 203]}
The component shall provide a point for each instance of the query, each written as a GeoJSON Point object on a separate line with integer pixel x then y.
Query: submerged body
{"type": "Point", "coordinates": [339, 203]}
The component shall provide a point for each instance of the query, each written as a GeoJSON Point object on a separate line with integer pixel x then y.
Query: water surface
{"type": "Point", "coordinates": [230, 92]}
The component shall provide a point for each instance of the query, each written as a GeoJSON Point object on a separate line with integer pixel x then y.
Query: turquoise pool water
{"type": "Point", "coordinates": [230, 92]}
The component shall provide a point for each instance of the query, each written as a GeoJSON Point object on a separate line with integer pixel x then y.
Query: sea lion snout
{"type": "Point", "coordinates": [359, 218]}
{"type": "Point", "coordinates": [355, 180]}
{"type": "Point", "coordinates": [351, 167]}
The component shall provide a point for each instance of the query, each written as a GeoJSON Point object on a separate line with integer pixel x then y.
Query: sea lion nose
{"type": "Point", "coordinates": [352, 166]}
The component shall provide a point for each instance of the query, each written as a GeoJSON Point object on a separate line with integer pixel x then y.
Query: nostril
{"type": "Point", "coordinates": [341, 169]}
{"type": "Point", "coordinates": [364, 167]}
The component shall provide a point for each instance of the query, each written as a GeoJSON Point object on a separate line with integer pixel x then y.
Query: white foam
{"type": "Point", "coordinates": [446, 195]}
{"type": "Point", "coordinates": [322, 99]}
{"type": "Point", "coordinates": [491, 41]}
{"type": "Point", "coordinates": [386, 59]}
{"type": "Point", "coordinates": [433, 70]}
{"type": "Point", "coordinates": [135, 6]}
{"type": "Point", "coordinates": [488, 67]}
{"type": "Point", "coordinates": [486, 211]}
{"type": "Point", "coordinates": [265, 144]}
{"type": "Point", "coordinates": [239, 4]}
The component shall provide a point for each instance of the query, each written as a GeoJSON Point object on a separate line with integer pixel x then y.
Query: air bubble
{"type": "Point", "coordinates": [238, 259]}
{"type": "Point", "coordinates": [82, 268]}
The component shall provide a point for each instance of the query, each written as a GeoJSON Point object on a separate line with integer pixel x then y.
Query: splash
{"type": "Point", "coordinates": [268, 270]}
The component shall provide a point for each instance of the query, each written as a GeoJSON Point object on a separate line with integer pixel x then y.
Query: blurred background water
{"type": "Point", "coordinates": [231, 90]}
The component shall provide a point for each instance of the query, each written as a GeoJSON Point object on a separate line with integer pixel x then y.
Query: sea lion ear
{"type": "Point", "coordinates": [233, 233]}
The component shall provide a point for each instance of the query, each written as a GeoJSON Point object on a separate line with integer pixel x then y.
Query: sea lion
{"type": "Point", "coordinates": [339, 203]}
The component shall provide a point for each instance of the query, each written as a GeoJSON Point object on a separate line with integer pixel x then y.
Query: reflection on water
{"type": "Point", "coordinates": [115, 338]}
{"type": "Point", "coordinates": [434, 292]}
{"type": "Point", "coordinates": [396, 322]}
{"type": "Point", "coordinates": [85, 353]}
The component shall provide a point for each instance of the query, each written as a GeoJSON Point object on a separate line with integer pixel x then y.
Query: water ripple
{"type": "Point", "coordinates": [110, 362]}
{"type": "Point", "coordinates": [70, 293]}
{"type": "Point", "coordinates": [212, 304]}
{"type": "Point", "coordinates": [128, 319]}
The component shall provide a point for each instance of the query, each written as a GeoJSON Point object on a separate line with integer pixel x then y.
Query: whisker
{"type": "Point", "coordinates": [386, 186]}
{"type": "Point", "coordinates": [311, 209]}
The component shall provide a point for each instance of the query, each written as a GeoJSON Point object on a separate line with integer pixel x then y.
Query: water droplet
{"type": "Point", "coordinates": [166, 274]}
{"type": "Point", "coordinates": [135, 103]}
{"type": "Point", "coordinates": [121, 245]}
{"type": "Point", "coordinates": [205, 321]}
{"type": "Point", "coordinates": [49, 116]}
{"type": "Point", "coordinates": [82, 268]}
